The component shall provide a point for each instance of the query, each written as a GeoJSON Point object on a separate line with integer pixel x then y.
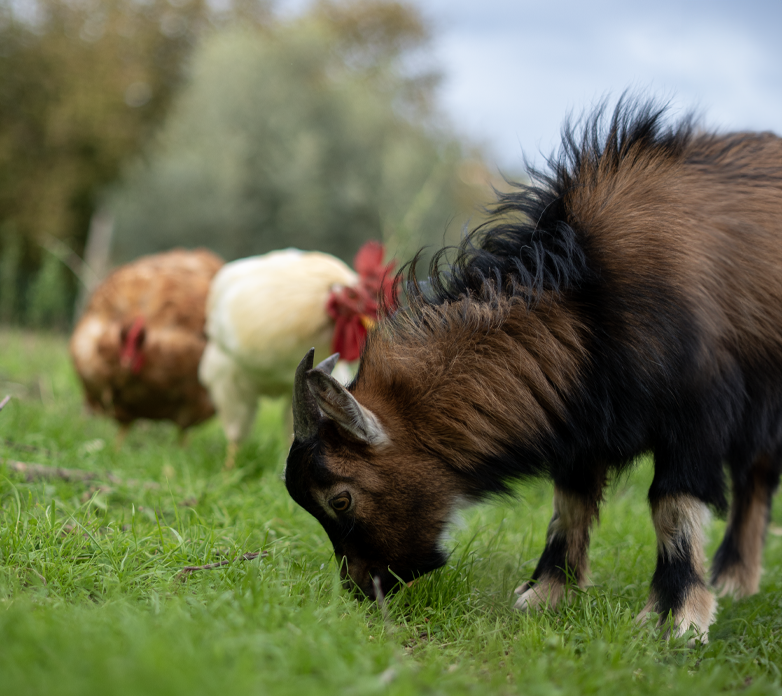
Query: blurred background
{"type": "Point", "coordinates": [132, 126]}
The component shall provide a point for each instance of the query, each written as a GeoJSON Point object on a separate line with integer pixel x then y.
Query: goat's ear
{"type": "Point", "coordinates": [338, 404]}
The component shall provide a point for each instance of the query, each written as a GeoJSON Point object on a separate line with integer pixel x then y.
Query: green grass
{"type": "Point", "coordinates": [92, 600]}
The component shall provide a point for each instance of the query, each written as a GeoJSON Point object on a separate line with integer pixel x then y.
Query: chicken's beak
{"type": "Point", "coordinates": [368, 322]}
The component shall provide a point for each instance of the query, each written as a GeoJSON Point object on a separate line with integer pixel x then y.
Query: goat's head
{"type": "Point", "coordinates": [383, 500]}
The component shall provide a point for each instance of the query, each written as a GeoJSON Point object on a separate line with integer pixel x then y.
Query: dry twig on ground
{"type": "Point", "coordinates": [36, 472]}
{"type": "Point", "coordinates": [33, 472]}
{"type": "Point", "coordinates": [13, 444]}
{"type": "Point", "coordinates": [211, 566]}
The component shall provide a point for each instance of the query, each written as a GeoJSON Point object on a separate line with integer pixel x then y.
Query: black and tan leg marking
{"type": "Point", "coordinates": [565, 557]}
{"type": "Point", "coordinates": [737, 563]}
{"type": "Point", "coordinates": [679, 592]}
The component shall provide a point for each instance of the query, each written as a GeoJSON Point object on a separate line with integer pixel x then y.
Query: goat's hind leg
{"type": "Point", "coordinates": [564, 559]}
{"type": "Point", "coordinates": [737, 563]}
{"type": "Point", "coordinates": [679, 592]}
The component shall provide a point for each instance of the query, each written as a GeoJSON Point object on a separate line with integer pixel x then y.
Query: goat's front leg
{"type": "Point", "coordinates": [565, 557]}
{"type": "Point", "coordinates": [679, 593]}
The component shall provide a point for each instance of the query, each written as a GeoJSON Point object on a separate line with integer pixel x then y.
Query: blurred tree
{"type": "Point", "coordinates": [82, 84]}
{"type": "Point", "coordinates": [47, 305]}
{"type": "Point", "coordinates": [317, 134]}
{"type": "Point", "coordinates": [10, 262]}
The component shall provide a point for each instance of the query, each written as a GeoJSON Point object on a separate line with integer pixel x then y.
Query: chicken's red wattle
{"type": "Point", "coordinates": [356, 308]}
{"type": "Point", "coordinates": [131, 355]}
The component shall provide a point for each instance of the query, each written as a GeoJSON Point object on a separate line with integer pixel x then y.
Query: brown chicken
{"type": "Point", "coordinates": [137, 346]}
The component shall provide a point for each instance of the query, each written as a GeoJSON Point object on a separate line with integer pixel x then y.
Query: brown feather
{"type": "Point", "coordinates": [169, 292]}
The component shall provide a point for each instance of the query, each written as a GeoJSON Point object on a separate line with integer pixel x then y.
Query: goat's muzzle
{"type": "Point", "coordinates": [373, 581]}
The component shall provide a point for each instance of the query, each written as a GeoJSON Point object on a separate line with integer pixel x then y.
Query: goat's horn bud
{"type": "Point", "coordinates": [328, 364]}
{"type": "Point", "coordinates": [305, 410]}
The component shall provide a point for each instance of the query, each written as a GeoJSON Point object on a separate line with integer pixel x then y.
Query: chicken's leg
{"type": "Point", "coordinates": [230, 455]}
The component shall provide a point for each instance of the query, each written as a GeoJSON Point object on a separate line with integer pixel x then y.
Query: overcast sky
{"type": "Point", "coordinates": [513, 69]}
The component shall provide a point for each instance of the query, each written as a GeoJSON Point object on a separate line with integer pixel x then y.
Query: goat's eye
{"type": "Point", "coordinates": [341, 502]}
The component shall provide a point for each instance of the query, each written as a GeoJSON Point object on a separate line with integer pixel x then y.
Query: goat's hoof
{"type": "Point", "coordinates": [697, 614]}
{"type": "Point", "coordinates": [544, 594]}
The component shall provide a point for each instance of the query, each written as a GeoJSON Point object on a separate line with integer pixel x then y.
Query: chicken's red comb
{"type": "Point", "coordinates": [369, 258]}
{"type": "Point", "coordinates": [355, 309]}
{"type": "Point", "coordinates": [377, 278]}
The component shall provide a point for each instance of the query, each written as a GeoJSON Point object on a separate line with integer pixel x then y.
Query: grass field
{"type": "Point", "coordinates": [93, 599]}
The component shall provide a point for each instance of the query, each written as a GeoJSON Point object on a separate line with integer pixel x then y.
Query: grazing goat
{"type": "Point", "coordinates": [628, 301]}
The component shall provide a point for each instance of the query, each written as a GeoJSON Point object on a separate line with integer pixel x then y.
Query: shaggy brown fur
{"type": "Point", "coordinates": [630, 301]}
{"type": "Point", "coordinates": [424, 366]}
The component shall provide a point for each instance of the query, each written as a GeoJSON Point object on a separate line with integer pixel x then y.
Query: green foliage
{"type": "Point", "coordinates": [308, 135]}
{"type": "Point", "coordinates": [48, 303]}
{"type": "Point", "coordinates": [82, 84]}
{"type": "Point", "coordinates": [93, 601]}
{"type": "Point", "coordinates": [10, 263]}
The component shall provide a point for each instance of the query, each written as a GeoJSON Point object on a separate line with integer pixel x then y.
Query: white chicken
{"type": "Point", "coordinates": [265, 312]}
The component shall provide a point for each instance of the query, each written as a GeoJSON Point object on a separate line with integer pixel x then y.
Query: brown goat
{"type": "Point", "coordinates": [628, 301]}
